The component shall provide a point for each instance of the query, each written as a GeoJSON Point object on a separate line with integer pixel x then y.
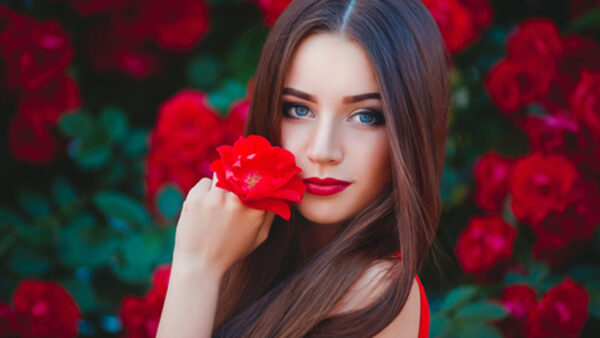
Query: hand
{"type": "Point", "coordinates": [216, 230]}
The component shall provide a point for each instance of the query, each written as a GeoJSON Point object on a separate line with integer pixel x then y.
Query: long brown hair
{"type": "Point", "coordinates": [266, 294]}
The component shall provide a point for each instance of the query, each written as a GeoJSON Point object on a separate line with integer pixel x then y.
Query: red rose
{"type": "Point", "coordinates": [561, 233]}
{"type": "Point", "coordinates": [561, 312]}
{"type": "Point", "coordinates": [110, 50]}
{"type": "Point", "coordinates": [44, 309]}
{"type": "Point", "coordinates": [585, 102]}
{"type": "Point", "coordinates": [29, 140]}
{"type": "Point", "coordinates": [541, 184]}
{"type": "Point", "coordinates": [485, 246]}
{"type": "Point", "coordinates": [179, 24]}
{"type": "Point", "coordinates": [580, 53]}
{"type": "Point", "coordinates": [518, 300]}
{"type": "Point", "coordinates": [481, 11]}
{"type": "Point", "coordinates": [36, 54]}
{"type": "Point", "coordinates": [491, 173]}
{"type": "Point", "coordinates": [140, 315]}
{"type": "Point", "coordinates": [5, 317]}
{"type": "Point", "coordinates": [49, 102]}
{"type": "Point", "coordinates": [238, 112]}
{"type": "Point", "coordinates": [264, 177]}
{"type": "Point", "coordinates": [555, 133]}
{"type": "Point", "coordinates": [455, 22]}
{"type": "Point", "coordinates": [535, 40]}
{"type": "Point", "coordinates": [271, 9]}
{"type": "Point", "coordinates": [183, 142]}
{"type": "Point", "coordinates": [512, 84]}
{"type": "Point", "coordinates": [88, 7]}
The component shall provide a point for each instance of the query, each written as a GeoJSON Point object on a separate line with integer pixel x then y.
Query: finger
{"type": "Point", "coordinates": [202, 185]}
{"type": "Point", "coordinates": [214, 181]}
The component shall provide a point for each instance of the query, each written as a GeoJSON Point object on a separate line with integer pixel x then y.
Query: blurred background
{"type": "Point", "coordinates": [111, 111]}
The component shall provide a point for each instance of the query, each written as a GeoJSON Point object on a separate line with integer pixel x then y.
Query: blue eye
{"type": "Point", "coordinates": [295, 110]}
{"type": "Point", "coordinates": [370, 118]}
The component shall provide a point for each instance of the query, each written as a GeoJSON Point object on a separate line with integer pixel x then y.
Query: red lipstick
{"type": "Point", "coordinates": [324, 186]}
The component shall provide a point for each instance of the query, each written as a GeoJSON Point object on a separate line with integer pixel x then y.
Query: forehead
{"type": "Point", "coordinates": [329, 64]}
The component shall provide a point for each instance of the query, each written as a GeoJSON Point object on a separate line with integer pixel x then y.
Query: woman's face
{"type": "Point", "coordinates": [333, 124]}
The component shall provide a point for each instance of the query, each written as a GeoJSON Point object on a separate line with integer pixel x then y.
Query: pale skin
{"type": "Point", "coordinates": [329, 137]}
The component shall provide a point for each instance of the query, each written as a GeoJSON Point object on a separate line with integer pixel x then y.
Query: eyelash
{"type": "Point", "coordinates": [377, 115]}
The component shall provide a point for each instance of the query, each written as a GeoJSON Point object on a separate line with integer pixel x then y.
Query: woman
{"type": "Point", "coordinates": [357, 91]}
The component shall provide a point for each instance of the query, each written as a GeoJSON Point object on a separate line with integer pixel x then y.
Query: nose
{"type": "Point", "coordinates": [324, 146]}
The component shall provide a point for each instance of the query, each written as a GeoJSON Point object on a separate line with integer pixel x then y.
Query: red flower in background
{"type": "Point", "coordinates": [262, 176]}
{"type": "Point", "coordinates": [561, 312]}
{"type": "Point", "coordinates": [179, 24]}
{"type": "Point", "coordinates": [89, 7]}
{"type": "Point", "coordinates": [485, 247]}
{"type": "Point", "coordinates": [455, 22]}
{"type": "Point", "coordinates": [512, 85]}
{"type": "Point", "coordinates": [5, 313]}
{"type": "Point", "coordinates": [44, 309]}
{"type": "Point", "coordinates": [560, 234]}
{"type": "Point", "coordinates": [535, 40]}
{"type": "Point", "coordinates": [236, 120]}
{"type": "Point", "coordinates": [29, 140]}
{"type": "Point", "coordinates": [49, 102]}
{"type": "Point", "coordinates": [541, 184]}
{"type": "Point", "coordinates": [184, 141]}
{"type": "Point", "coordinates": [580, 53]}
{"type": "Point", "coordinates": [140, 315]}
{"type": "Point", "coordinates": [481, 11]}
{"type": "Point", "coordinates": [271, 9]}
{"type": "Point", "coordinates": [35, 53]}
{"type": "Point", "coordinates": [518, 300]}
{"type": "Point", "coordinates": [491, 173]}
{"type": "Point", "coordinates": [585, 102]}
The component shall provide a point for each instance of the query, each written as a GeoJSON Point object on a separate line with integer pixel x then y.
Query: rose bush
{"type": "Point", "coordinates": [112, 110]}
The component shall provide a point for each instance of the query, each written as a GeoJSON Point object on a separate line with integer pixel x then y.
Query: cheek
{"type": "Point", "coordinates": [292, 138]}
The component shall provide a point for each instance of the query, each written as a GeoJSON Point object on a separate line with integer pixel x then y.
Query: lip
{"type": "Point", "coordinates": [325, 186]}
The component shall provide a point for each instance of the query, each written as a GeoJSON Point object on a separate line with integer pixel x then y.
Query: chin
{"type": "Point", "coordinates": [323, 213]}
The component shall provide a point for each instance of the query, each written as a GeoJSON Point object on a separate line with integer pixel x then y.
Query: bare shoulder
{"type": "Point", "coordinates": [369, 286]}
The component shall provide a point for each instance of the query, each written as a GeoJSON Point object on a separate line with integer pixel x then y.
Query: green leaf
{"type": "Point", "coordinates": [234, 89]}
{"type": "Point", "coordinates": [84, 243]}
{"type": "Point", "coordinates": [135, 143]}
{"type": "Point", "coordinates": [84, 295]}
{"type": "Point", "coordinates": [34, 204]}
{"type": "Point", "coordinates": [204, 71]}
{"type": "Point", "coordinates": [39, 233]}
{"type": "Point", "coordinates": [169, 201]}
{"type": "Point", "coordinates": [114, 121]}
{"type": "Point", "coordinates": [63, 192]}
{"type": "Point", "coordinates": [92, 157]}
{"type": "Point", "coordinates": [458, 296]}
{"type": "Point", "coordinates": [76, 124]}
{"type": "Point", "coordinates": [140, 254]}
{"type": "Point", "coordinates": [481, 311]}
{"type": "Point", "coordinates": [117, 205]}
{"type": "Point", "coordinates": [477, 330]}
{"type": "Point", "coordinates": [220, 101]}
{"type": "Point", "coordinates": [589, 20]}
{"type": "Point", "coordinates": [537, 274]}
{"type": "Point", "coordinates": [28, 263]}
{"type": "Point", "coordinates": [9, 219]}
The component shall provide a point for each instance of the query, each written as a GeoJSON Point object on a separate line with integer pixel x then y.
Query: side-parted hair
{"type": "Point", "coordinates": [271, 293]}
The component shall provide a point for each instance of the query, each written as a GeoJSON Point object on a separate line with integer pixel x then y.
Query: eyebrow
{"type": "Point", "coordinates": [346, 99]}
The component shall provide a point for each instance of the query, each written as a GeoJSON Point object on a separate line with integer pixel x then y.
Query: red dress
{"type": "Point", "coordinates": [424, 317]}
